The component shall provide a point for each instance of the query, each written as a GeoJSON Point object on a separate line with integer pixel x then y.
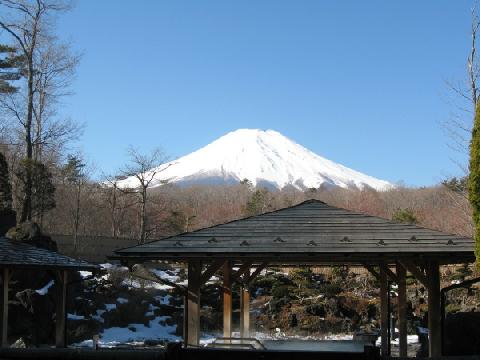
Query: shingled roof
{"type": "Point", "coordinates": [15, 254]}
{"type": "Point", "coordinates": [310, 231]}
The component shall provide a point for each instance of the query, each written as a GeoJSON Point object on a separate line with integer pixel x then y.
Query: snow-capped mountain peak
{"type": "Point", "coordinates": [263, 157]}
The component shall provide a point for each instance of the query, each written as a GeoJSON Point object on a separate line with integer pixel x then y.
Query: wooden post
{"type": "Point", "coordinates": [384, 312]}
{"type": "Point", "coordinates": [434, 321]}
{"type": "Point", "coordinates": [193, 303]}
{"type": "Point", "coordinates": [227, 300]}
{"type": "Point", "coordinates": [245, 307]}
{"type": "Point", "coordinates": [185, 318]}
{"type": "Point", "coordinates": [61, 313]}
{"type": "Point", "coordinates": [4, 310]}
{"type": "Point", "coordinates": [402, 310]}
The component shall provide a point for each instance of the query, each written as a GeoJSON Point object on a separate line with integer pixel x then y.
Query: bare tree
{"type": "Point", "coordinates": [142, 172]}
{"type": "Point", "coordinates": [459, 126]}
{"type": "Point", "coordinates": [55, 72]}
{"type": "Point", "coordinates": [118, 202]}
{"type": "Point", "coordinates": [75, 174]}
{"type": "Point", "coordinates": [28, 24]}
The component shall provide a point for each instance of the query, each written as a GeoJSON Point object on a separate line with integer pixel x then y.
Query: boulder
{"type": "Point", "coordinates": [30, 233]}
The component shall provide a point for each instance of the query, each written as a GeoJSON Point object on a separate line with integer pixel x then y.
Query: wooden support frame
{"type": "Point", "coordinates": [140, 272]}
{"type": "Point", "coordinates": [61, 309]}
{"type": "Point", "coordinates": [241, 270]}
{"type": "Point", "coordinates": [384, 311]}
{"type": "Point", "coordinates": [419, 274]}
{"type": "Point", "coordinates": [389, 273]}
{"type": "Point", "coordinates": [6, 274]}
{"type": "Point", "coordinates": [372, 271]}
{"type": "Point", "coordinates": [434, 312]}
{"type": "Point", "coordinates": [402, 309]}
{"type": "Point", "coordinates": [192, 306]}
{"type": "Point", "coordinates": [210, 271]}
{"type": "Point", "coordinates": [257, 271]}
{"type": "Point", "coordinates": [245, 306]}
{"type": "Point", "coordinates": [227, 300]}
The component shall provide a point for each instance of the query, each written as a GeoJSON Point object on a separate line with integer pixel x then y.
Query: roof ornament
{"type": "Point", "coordinates": [312, 243]}
{"type": "Point", "coordinates": [450, 242]}
{"type": "Point", "coordinates": [381, 242]}
{"type": "Point", "coordinates": [413, 238]}
{"type": "Point", "coordinates": [244, 243]}
{"type": "Point", "coordinates": [213, 240]}
{"type": "Point", "coordinates": [279, 239]}
{"type": "Point", "coordinates": [346, 239]}
{"type": "Point", "coordinates": [178, 243]}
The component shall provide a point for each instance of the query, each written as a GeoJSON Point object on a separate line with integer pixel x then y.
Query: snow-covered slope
{"type": "Point", "coordinates": [265, 158]}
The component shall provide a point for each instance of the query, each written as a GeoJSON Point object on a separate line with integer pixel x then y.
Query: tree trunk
{"type": "Point", "coordinates": [114, 205]}
{"type": "Point", "coordinates": [77, 219]}
{"type": "Point", "coordinates": [26, 214]}
{"type": "Point", "coordinates": [143, 215]}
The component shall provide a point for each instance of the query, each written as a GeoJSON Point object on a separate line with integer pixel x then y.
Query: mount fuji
{"type": "Point", "coordinates": [265, 158]}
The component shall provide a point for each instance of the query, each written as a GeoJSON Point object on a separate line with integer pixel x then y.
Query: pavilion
{"type": "Point", "coordinates": [19, 256]}
{"type": "Point", "coordinates": [310, 233]}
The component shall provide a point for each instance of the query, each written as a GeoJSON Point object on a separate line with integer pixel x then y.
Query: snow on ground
{"type": "Point", "coordinates": [167, 275]}
{"type": "Point", "coordinates": [98, 316]}
{"type": "Point", "coordinates": [121, 300]}
{"type": "Point", "coordinates": [411, 339]}
{"type": "Point", "coordinates": [110, 307]}
{"type": "Point", "coordinates": [44, 290]}
{"type": "Point", "coordinates": [75, 317]}
{"type": "Point", "coordinates": [136, 334]}
{"type": "Point", "coordinates": [85, 274]}
{"type": "Point", "coordinates": [163, 300]}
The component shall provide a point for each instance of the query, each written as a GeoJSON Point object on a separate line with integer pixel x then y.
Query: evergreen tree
{"type": "Point", "coordinates": [43, 190]}
{"type": "Point", "coordinates": [258, 203]}
{"type": "Point", "coordinates": [405, 216]}
{"type": "Point", "coordinates": [5, 187]}
{"type": "Point", "coordinates": [474, 180]}
{"type": "Point", "coordinates": [10, 68]}
{"type": "Point", "coordinates": [455, 184]}
{"type": "Point", "coordinates": [75, 175]}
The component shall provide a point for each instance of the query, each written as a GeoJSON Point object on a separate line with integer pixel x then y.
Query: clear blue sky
{"type": "Point", "coordinates": [359, 82]}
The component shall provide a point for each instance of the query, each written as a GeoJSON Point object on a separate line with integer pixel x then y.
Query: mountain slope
{"type": "Point", "coordinates": [265, 158]}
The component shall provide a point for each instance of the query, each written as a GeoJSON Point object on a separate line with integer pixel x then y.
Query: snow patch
{"type": "Point", "coordinates": [157, 329]}
{"type": "Point", "coordinates": [44, 290]}
{"type": "Point", "coordinates": [75, 317]}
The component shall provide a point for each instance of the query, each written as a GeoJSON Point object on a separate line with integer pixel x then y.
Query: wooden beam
{"type": "Point", "coordinates": [227, 300]}
{"type": "Point", "coordinates": [185, 318]}
{"type": "Point", "coordinates": [245, 306]}
{"type": "Point", "coordinates": [389, 273]}
{"type": "Point", "coordinates": [402, 310]}
{"type": "Point", "coordinates": [210, 271]}
{"type": "Point", "coordinates": [372, 271]}
{"type": "Point", "coordinates": [61, 311]}
{"type": "Point", "coordinates": [4, 307]}
{"type": "Point", "coordinates": [140, 272]}
{"type": "Point", "coordinates": [419, 274]}
{"type": "Point", "coordinates": [257, 271]}
{"type": "Point", "coordinates": [193, 303]}
{"type": "Point", "coordinates": [434, 314]}
{"type": "Point", "coordinates": [241, 270]}
{"type": "Point", "coordinates": [384, 311]}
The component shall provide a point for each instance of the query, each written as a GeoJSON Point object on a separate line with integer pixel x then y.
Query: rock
{"type": "Point", "coordinates": [19, 344]}
{"type": "Point", "coordinates": [30, 233]}
{"type": "Point", "coordinates": [80, 330]}
{"type": "Point", "coordinates": [152, 342]}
